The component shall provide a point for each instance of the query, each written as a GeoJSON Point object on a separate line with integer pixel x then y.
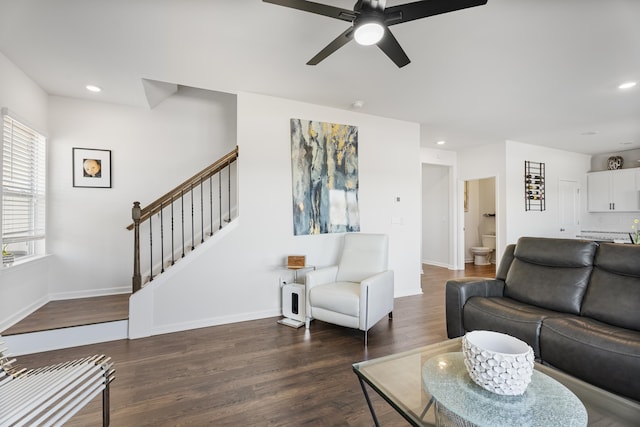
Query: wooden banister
{"type": "Point", "coordinates": [195, 180]}
{"type": "Point", "coordinates": [164, 205]}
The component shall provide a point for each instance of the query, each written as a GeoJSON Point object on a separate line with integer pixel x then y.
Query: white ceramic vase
{"type": "Point", "coordinates": [498, 362]}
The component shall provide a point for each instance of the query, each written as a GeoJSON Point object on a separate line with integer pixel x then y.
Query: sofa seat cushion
{"type": "Point", "coordinates": [603, 355]}
{"type": "Point", "coordinates": [507, 316]}
{"type": "Point", "coordinates": [339, 297]}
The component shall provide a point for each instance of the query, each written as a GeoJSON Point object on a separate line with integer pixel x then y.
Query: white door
{"type": "Point", "coordinates": [569, 203]}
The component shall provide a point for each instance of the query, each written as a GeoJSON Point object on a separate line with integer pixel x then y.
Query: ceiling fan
{"type": "Point", "coordinates": [370, 21]}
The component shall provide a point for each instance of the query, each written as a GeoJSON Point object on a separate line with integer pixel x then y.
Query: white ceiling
{"type": "Point", "coordinates": [537, 71]}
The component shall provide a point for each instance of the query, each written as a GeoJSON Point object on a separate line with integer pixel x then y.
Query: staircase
{"type": "Point", "coordinates": [165, 231]}
{"type": "Point", "coordinates": [183, 218]}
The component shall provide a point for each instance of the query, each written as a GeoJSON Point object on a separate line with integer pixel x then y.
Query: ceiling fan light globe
{"type": "Point", "coordinates": [368, 33]}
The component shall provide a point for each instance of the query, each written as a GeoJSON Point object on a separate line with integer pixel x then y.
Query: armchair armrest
{"type": "Point", "coordinates": [376, 298]}
{"type": "Point", "coordinates": [458, 291]}
{"type": "Point", "coordinates": [321, 276]}
{"type": "Point", "coordinates": [318, 277]}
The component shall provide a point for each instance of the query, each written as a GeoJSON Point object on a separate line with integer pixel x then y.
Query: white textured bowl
{"type": "Point", "coordinates": [498, 362]}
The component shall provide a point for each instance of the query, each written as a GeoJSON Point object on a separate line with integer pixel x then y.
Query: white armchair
{"type": "Point", "coordinates": [356, 293]}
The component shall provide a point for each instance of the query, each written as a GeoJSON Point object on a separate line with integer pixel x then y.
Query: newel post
{"type": "Point", "coordinates": [135, 215]}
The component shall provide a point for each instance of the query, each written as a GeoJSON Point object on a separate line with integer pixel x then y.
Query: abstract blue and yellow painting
{"type": "Point", "coordinates": [324, 165]}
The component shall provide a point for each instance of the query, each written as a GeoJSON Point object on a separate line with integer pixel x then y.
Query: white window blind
{"type": "Point", "coordinates": [23, 185]}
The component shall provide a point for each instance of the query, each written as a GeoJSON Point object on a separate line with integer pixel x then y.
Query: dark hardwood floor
{"type": "Point", "coordinates": [73, 312]}
{"type": "Point", "coordinates": [260, 373]}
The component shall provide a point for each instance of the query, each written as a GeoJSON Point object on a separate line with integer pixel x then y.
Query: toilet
{"type": "Point", "coordinates": [482, 254]}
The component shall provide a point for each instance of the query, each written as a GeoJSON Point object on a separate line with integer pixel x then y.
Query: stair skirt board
{"type": "Point", "coordinates": [55, 339]}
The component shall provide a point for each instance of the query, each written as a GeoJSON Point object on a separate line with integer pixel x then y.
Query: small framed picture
{"type": "Point", "coordinates": [91, 168]}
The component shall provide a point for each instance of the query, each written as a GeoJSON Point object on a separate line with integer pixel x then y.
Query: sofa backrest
{"type": "Point", "coordinates": [550, 273]}
{"type": "Point", "coordinates": [505, 262]}
{"type": "Point", "coordinates": [613, 295]}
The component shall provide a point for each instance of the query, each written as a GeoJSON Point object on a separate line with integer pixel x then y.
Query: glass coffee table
{"type": "Point", "coordinates": [399, 380]}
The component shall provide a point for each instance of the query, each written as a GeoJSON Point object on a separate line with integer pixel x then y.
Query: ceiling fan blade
{"type": "Point", "coordinates": [422, 9]}
{"type": "Point", "coordinates": [336, 44]}
{"type": "Point", "coordinates": [392, 48]}
{"type": "Point", "coordinates": [317, 8]}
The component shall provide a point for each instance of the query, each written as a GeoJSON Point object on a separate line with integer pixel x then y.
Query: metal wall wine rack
{"type": "Point", "coordinates": [534, 198]}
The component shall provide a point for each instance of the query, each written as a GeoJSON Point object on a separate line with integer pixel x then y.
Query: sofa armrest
{"type": "Point", "coordinates": [458, 291]}
{"type": "Point", "coordinates": [376, 298]}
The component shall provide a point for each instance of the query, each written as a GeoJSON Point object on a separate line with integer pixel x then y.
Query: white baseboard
{"type": "Point", "coordinates": [88, 293]}
{"type": "Point", "coordinates": [16, 317]}
{"type": "Point", "coordinates": [214, 321]}
{"type": "Point", "coordinates": [438, 264]}
{"type": "Point", "coordinates": [36, 342]}
{"type": "Point", "coordinates": [416, 291]}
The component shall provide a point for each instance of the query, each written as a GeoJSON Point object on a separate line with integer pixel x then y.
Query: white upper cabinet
{"type": "Point", "coordinates": [614, 191]}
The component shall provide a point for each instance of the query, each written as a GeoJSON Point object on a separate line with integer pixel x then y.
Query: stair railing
{"type": "Point", "coordinates": [205, 213]}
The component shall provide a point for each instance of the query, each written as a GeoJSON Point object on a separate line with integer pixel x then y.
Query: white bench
{"type": "Point", "coordinates": [50, 395]}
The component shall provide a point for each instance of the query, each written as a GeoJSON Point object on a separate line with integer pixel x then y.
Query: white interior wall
{"type": "Point", "coordinates": [559, 165]}
{"type": "Point", "coordinates": [606, 221]}
{"type": "Point", "coordinates": [388, 169]}
{"type": "Point", "coordinates": [23, 288]}
{"type": "Point", "coordinates": [433, 156]}
{"type": "Point", "coordinates": [487, 189]}
{"type": "Point", "coordinates": [631, 159]}
{"type": "Point", "coordinates": [237, 278]}
{"type": "Point", "coordinates": [22, 96]}
{"type": "Point", "coordinates": [436, 218]}
{"type": "Point", "coordinates": [472, 219]}
{"type": "Point", "coordinates": [482, 197]}
{"type": "Point", "coordinates": [479, 163]}
{"type": "Point", "coordinates": [151, 152]}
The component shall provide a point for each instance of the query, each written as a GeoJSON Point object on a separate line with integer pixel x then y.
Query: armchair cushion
{"type": "Point", "coordinates": [341, 297]}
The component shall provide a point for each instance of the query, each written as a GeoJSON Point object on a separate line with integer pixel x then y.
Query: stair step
{"type": "Point", "coordinates": [73, 336]}
{"type": "Point", "coordinates": [73, 312]}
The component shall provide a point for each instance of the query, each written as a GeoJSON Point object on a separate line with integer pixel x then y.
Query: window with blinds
{"type": "Point", "coordinates": [23, 188]}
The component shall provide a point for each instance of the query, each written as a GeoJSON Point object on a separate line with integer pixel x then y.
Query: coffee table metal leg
{"type": "Point", "coordinates": [366, 396]}
{"type": "Point", "coordinates": [426, 408]}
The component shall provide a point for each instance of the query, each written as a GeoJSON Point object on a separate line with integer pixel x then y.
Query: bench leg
{"type": "Point", "coordinates": [105, 405]}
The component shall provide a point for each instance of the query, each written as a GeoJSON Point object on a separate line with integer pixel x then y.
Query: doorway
{"type": "Point", "coordinates": [436, 216]}
{"type": "Point", "coordinates": [479, 214]}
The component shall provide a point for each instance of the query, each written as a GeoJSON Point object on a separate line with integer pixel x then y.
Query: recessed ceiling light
{"type": "Point", "coordinates": [93, 88]}
{"type": "Point", "coordinates": [357, 104]}
{"type": "Point", "coordinates": [626, 143]}
{"type": "Point", "coordinates": [589, 133]}
{"type": "Point", "coordinates": [441, 142]}
{"type": "Point", "coordinates": [627, 85]}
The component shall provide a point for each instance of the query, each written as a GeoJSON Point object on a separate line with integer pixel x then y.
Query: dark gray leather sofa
{"type": "Point", "coordinates": [575, 302]}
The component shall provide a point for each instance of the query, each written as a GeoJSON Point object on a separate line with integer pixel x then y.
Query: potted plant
{"type": "Point", "coordinates": [7, 257]}
{"type": "Point", "coordinates": [635, 234]}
